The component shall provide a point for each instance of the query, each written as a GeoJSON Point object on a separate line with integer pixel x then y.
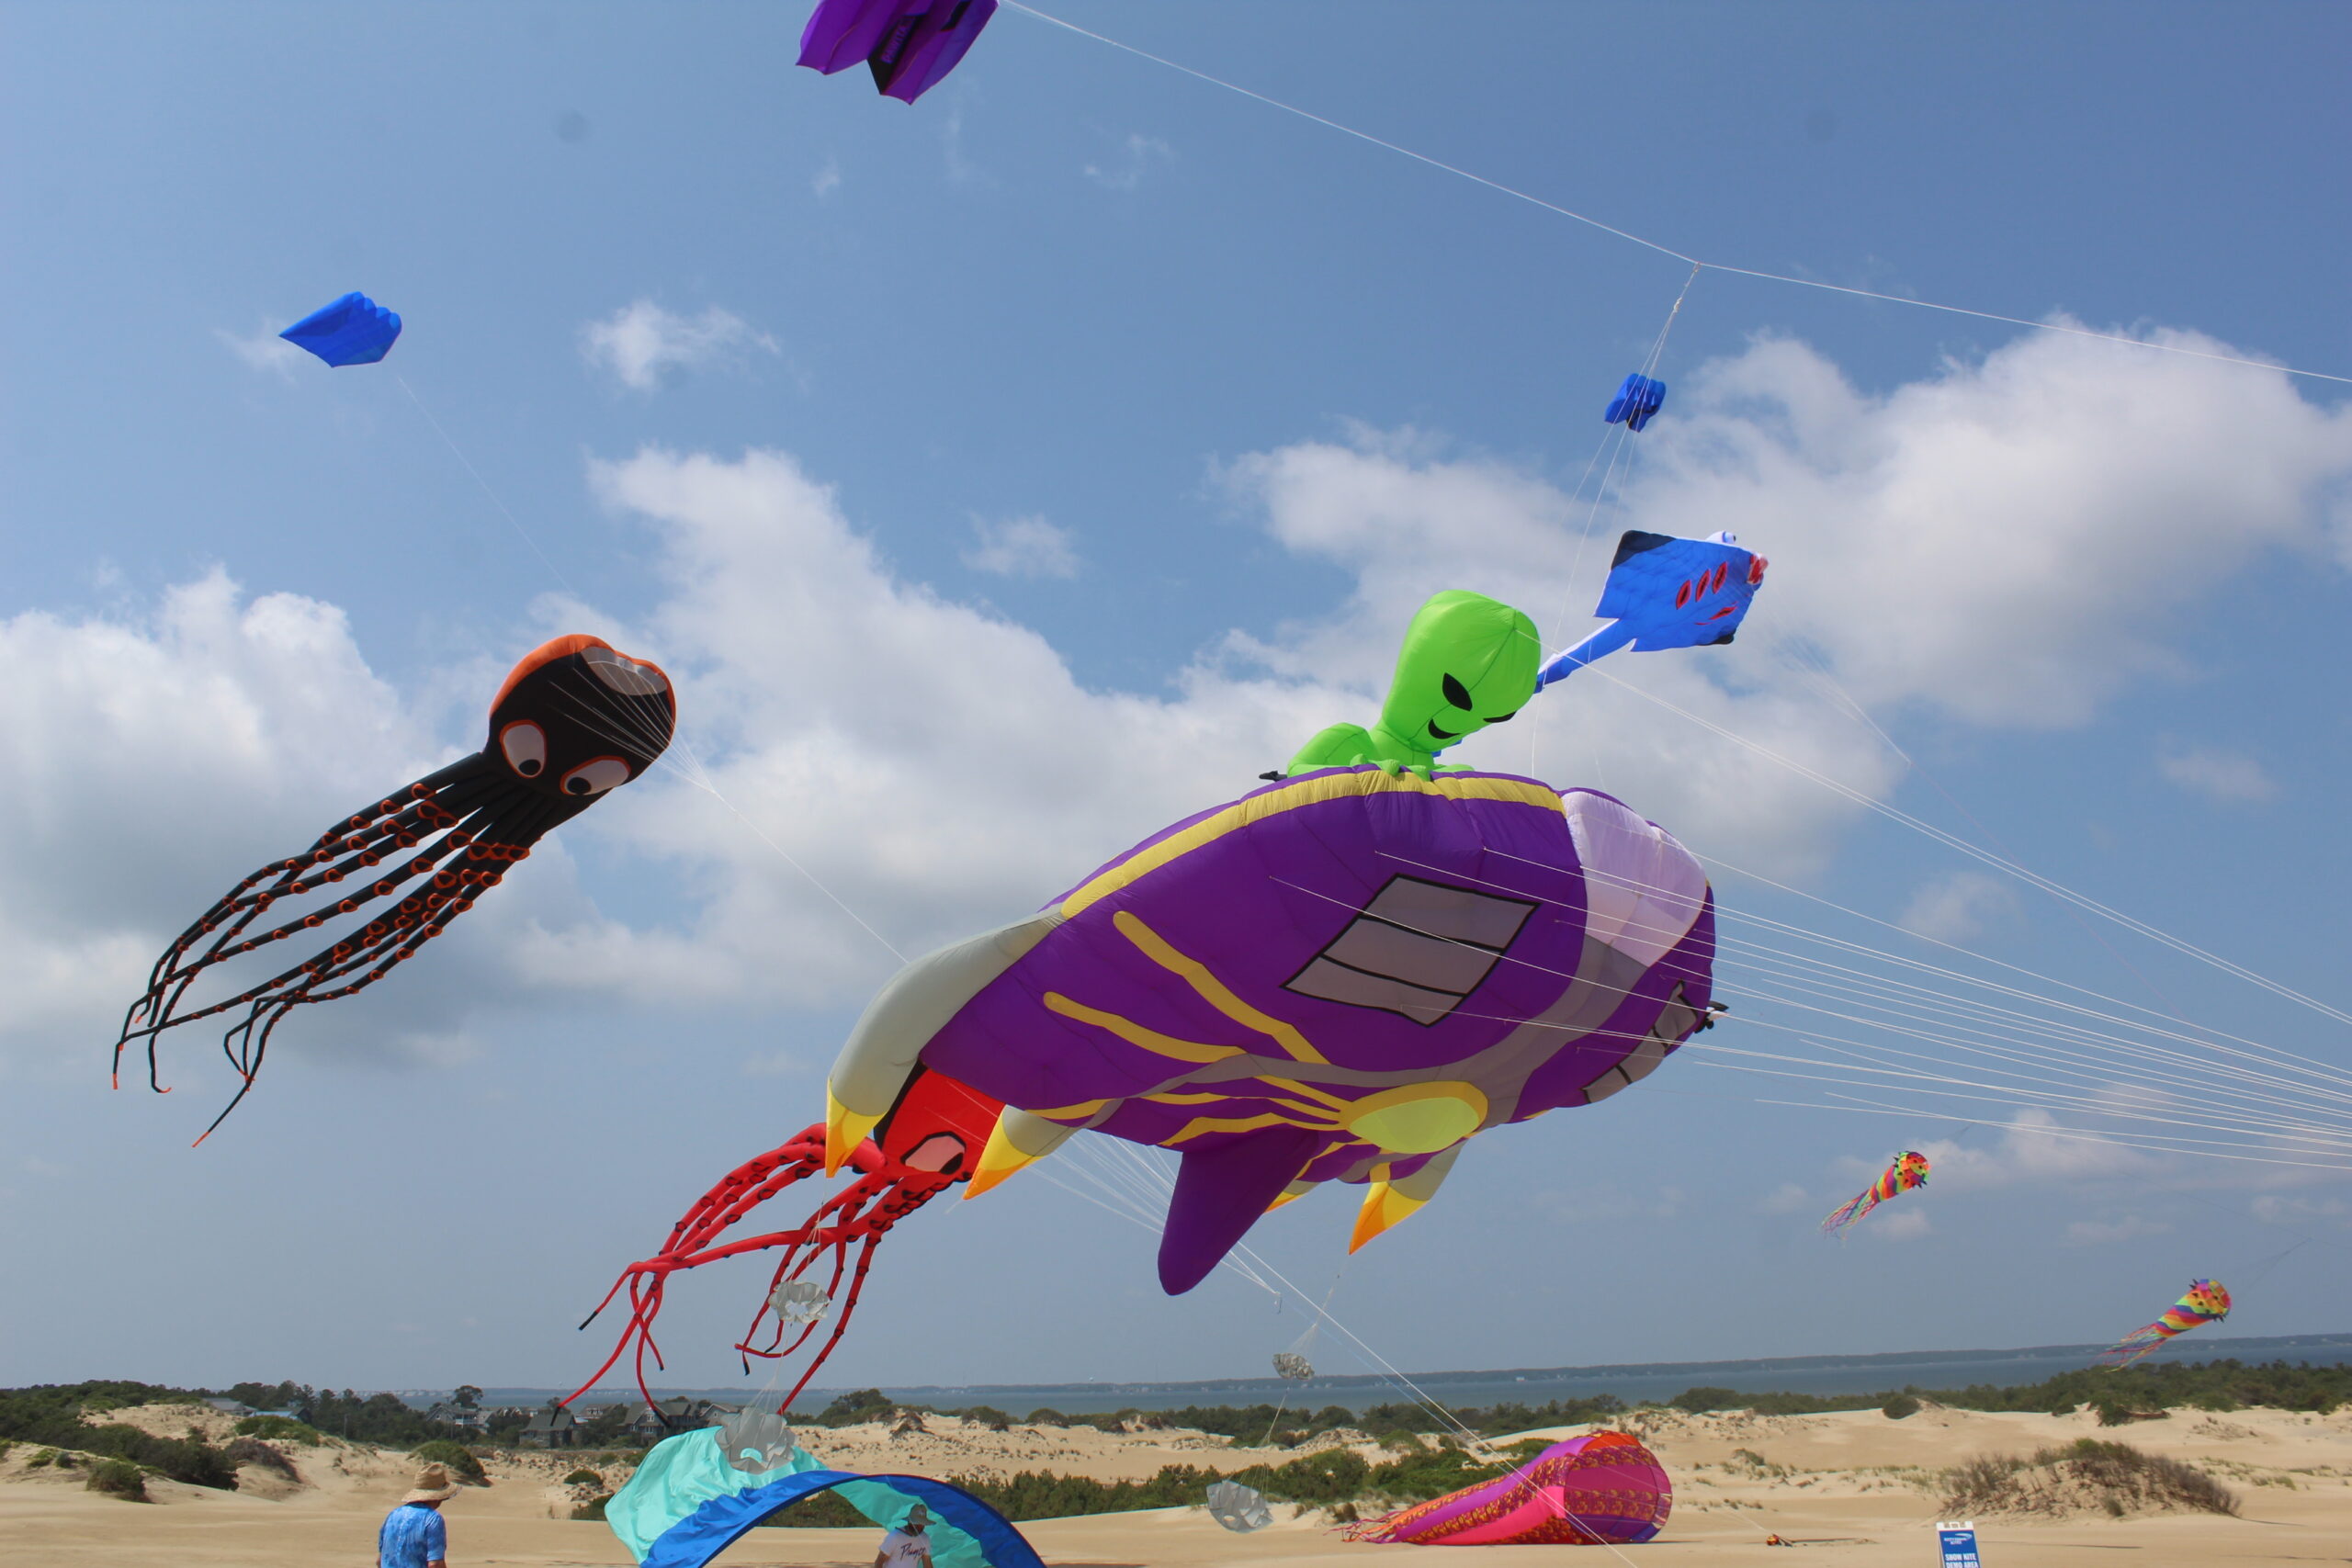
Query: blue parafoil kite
{"type": "Point", "coordinates": [908, 44]}
{"type": "Point", "coordinates": [1637, 398]}
{"type": "Point", "coordinates": [1666, 593]}
{"type": "Point", "coordinates": [354, 330]}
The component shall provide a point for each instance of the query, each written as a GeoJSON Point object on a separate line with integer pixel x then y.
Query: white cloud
{"type": "Point", "coordinates": [1786, 1199]}
{"type": "Point", "coordinates": [2131, 1227]}
{"type": "Point", "coordinates": [264, 350]}
{"type": "Point", "coordinates": [2004, 541]}
{"type": "Point", "coordinates": [960, 168]}
{"type": "Point", "coordinates": [777, 1065]}
{"type": "Point", "coordinates": [644, 345]}
{"type": "Point", "coordinates": [1957, 907]}
{"type": "Point", "coordinates": [1897, 1226]}
{"type": "Point", "coordinates": [1138, 153]}
{"type": "Point", "coordinates": [827, 179]}
{"type": "Point", "coordinates": [2217, 774]}
{"type": "Point", "coordinates": [2274, 1209]}
{"type": "Point", "coordinates": [2034, 1147]}
{"type": "Point", "coordinates": [1022, 546]}
{"type": "Point", "coordinates": [933, 765]}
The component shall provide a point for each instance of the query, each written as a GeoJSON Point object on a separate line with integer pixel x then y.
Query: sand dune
{"type": "Point", "coordinates": [1848, 1488]}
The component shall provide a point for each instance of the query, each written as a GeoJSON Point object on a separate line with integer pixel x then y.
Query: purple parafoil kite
{"type": "Point", "coordinates": [908, 44]}
{"type": "Point", "coordinates": [1342, 977]}
{"type": "Point", "coordinates": [1603, 1488]}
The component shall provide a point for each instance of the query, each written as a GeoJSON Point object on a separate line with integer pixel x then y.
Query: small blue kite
{"type": "Point", "coordinates": [1637, 398]}
{"type": "Point", "coordinates": [354, 330]}
{"type": "Point", "coordinates": [1666, 593]}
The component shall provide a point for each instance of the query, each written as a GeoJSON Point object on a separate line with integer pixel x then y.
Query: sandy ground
{"type": "Point", "coordinates": [1851, 1489]}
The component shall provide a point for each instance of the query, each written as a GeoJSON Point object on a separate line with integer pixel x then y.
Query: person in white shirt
{"type": "Point", "coordinates": [908, 1546]}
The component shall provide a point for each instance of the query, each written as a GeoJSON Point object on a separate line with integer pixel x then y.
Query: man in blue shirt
{"type": "Point", "coordinates": [415, 1535]}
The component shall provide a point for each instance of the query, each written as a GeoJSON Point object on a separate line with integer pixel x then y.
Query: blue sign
{"type": "Point", "coordinates": [1957, 1545]}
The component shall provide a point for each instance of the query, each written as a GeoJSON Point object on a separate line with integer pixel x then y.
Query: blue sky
{"type": "Point", "coordinates": [1008, 475]}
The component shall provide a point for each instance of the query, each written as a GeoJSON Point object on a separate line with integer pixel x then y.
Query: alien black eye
{"type": "Point", "coordinates": [1455, 692]}
{"type": "Point", "coordinates": [1504, 718]}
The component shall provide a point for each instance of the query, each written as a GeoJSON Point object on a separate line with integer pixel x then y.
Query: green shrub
{"type": "Point", "coordinates": [455, 1458]}
{"type": "Point", "coordinates": [242, 1451]}
{"type": "Point", "coordinates": [2116, 1410]}
{"type": "Point", "coordinates": [854, 1409]}
{"type": "Point", "coordinates": [42, 1460]}
{"type": "Point", "coordinates": [1901, 1407]}
{"type": "Point", "coordinates": [119, 1478]}
{"type": "Point", "coordinates": [594, 1509]}
{"type": "Point", "coordinates": [823, 1511]}
{"type": "Point", "coordinates": [2115, 1477]}
{"type": "Point", "coordinates": [584, 1478]}
{"type": "Point", "coordinates": [280, 1428]}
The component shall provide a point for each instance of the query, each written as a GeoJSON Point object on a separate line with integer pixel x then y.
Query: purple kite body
{"type": "Point", "coordinates": [1342, 976]}
{"type": "Point", "coordinates": [908, 44]}
{"type": "Point", "coordinates": [1602, 1489]}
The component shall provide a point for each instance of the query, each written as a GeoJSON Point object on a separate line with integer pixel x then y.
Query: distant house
{"type": "Point", "coordinates": [668, 1417]}
{"type": "Point", "coordinates": [231, 1406]}
{"type": "Point", "coordinates": [553, 1428]}
{"type": "Point", "coordinates": [460, 1416]}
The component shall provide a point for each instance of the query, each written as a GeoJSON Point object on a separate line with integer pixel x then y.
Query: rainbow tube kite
{"type": "Point", "coordinates": [1909, 1170]}
{"type": "Point", "coordinates": [2208, 1301]}
{"type": "Point", "coordinates": [1602, 1489]}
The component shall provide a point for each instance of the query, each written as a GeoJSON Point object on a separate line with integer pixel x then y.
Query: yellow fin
{"type": "Point", "coordinates": [1001, 1159]}
{"type": "Point", "coordinates": [1384, 1206]}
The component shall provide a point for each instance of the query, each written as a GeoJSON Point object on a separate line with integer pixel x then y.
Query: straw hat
{"type": "Point", "coordinates": [433, 1486]}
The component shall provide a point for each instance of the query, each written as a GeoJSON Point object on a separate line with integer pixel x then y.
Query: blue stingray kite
{"type": "Point", "coordinates": [698, 1493]}
{"type": "Point", "coordinates": [1666, 593]}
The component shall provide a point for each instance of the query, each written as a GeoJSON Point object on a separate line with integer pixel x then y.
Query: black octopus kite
{"type": "Point", "coordinates": [573, 720]}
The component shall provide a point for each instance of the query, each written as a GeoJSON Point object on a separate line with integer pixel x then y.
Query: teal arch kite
{"type": "Point", "coordinates": [690, 1500]}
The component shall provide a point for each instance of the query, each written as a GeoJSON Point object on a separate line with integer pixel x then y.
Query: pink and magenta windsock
{"type": "Point", "coordinates": [2208, 1301]}
{"type": "Point", "coordinates": [1909, 1170]}
{"type": "Point", "coordinates": [1602, 1489]}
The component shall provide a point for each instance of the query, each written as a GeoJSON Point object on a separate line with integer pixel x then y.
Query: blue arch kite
{"type": "Point", "coordinates": [719, 1522]}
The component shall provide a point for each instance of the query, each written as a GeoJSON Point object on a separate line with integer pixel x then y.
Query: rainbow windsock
{"type": "Point", "coordinates": [1909, 1170]}
{"type": "Point", "coordinates": [2208, 1301]}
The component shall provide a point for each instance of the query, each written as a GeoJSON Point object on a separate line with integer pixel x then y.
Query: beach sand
{"type": "Point", "coordinates": [1852, 1488]}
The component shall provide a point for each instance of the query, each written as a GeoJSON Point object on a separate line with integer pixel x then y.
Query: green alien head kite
{"type": "Point", "coordinates": [1467, 661]}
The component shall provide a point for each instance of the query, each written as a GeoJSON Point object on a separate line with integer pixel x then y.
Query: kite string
{"type": "Point", "coordinates": [2327, 1075]}
{"type": "Point", "coordinates": [468, 464]}
{"type": "Point", "coordinates": [2046, 1097]}
{"type": "Point", "coordinates": [1653, 244]}
{"type": "Point", "coordinates": [1350, 131]}
{"type": "Point", "coordinates": [1998, 863]}
{"type": "Point", "coordinates": [1819, 667]}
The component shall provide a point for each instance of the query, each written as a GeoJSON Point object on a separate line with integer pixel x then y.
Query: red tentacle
{"type": "Point", "coordinates": [883, 1192]}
